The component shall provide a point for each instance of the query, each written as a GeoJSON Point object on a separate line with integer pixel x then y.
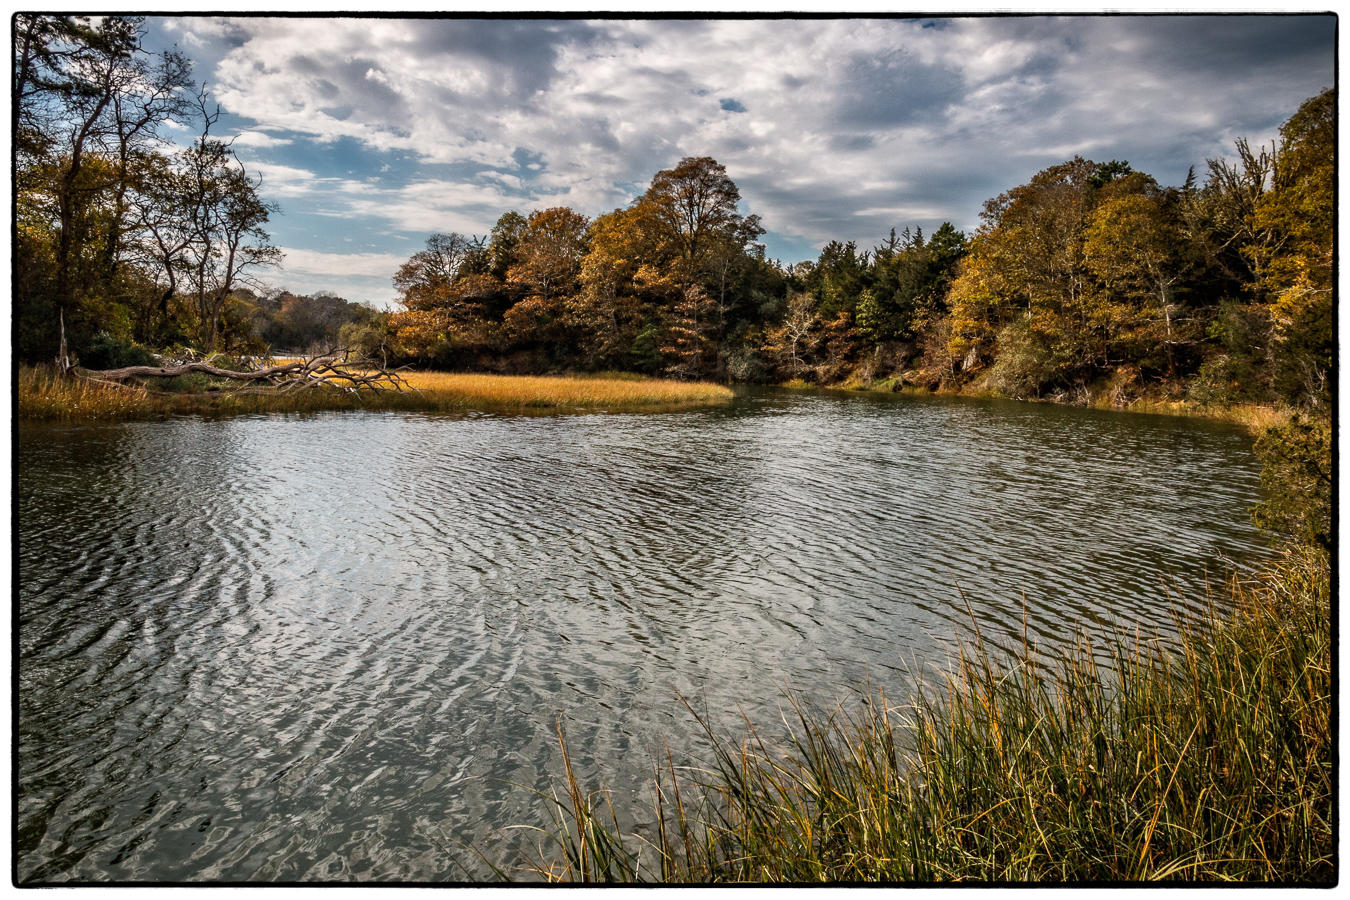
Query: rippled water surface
{"type": "Point", "coordinates": [310, 648]}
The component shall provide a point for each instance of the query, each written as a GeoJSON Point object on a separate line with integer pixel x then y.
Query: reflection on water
{"type": "Point", "coordinates": [322, 647]}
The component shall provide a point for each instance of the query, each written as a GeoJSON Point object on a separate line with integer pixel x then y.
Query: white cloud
{"type": "Point", "coordinates": [848, 125]}
{"type": "Point", "coordinates": [259, 139]}
{"type": "Point", "coordinates": [354, 276]}
{"type": "Point", "coordinates": [319, 262]}
{"type": "Point", "coordinates": [420, 206]}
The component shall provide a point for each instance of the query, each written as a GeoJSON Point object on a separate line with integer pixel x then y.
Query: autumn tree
{"type": "Point", "coordinates": [686, 341]}
{"type": "Point", "coordinates": [1294, 262]}
{"type": "Point", "coordinates": [1135, 250]}
{"type": "Point", "coordinates": [1027, 287]}
{"type": "Point", "coordinates": [622, 284]}
{"type": "Point", "coordinates": [504, 243]}
{"type": "Point", "coordinates": [441, 295]}
{"type": "Point", "coordinates": [548, 254]}
{"type": "Point", "coordinates": [696, 205]}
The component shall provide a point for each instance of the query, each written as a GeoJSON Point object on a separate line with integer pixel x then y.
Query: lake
{"type": "Point", "coordinates": [337, 646]}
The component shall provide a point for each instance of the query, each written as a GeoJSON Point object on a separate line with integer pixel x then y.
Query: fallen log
{"type": "Point", "coordinates": [328, 370]}
{"type": "Point", "coordinates": [187, 368]}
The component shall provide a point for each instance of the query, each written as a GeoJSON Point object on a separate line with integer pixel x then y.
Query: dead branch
{"type": "Point", "coordinates": [329, 370]}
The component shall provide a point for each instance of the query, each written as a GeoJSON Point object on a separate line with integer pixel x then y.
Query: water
{"type": "Point", "coordinates": [324, 647]}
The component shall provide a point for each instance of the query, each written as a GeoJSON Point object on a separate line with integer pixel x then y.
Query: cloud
{"type": "Point", "coordinates": [833, 128]}
{"type": "Point", "coordinates": [259, 139]}
{"type": "Point", "coordinates": [290, 181]}
{"type": "Point", "coordinates": [419, 206]}
{"type": "Point", "coordinates": [321, 263]}
{"type": "Point", "coordinates": [354, 276]}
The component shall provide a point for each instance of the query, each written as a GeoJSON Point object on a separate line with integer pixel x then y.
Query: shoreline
{"type": "Point", "coordinates": [42, 396]}
{"type": "Point", "coordinates": [1254, 417]}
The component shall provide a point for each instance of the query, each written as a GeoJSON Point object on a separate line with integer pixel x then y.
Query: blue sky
{"type": "Point", "coordinates": [372, 133]}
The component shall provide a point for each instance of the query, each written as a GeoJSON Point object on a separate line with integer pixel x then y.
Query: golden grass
{"type": "Point", "coordinates": [44, 395]}
{"type": "Point", "coordinates": [1251, 416]}
{"type": "Point", "coordinates": [527, 391]}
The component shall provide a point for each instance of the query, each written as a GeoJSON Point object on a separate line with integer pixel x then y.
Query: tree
{"type": "Point", "coordinates": [164, 214]}
{"type": "Point", "coordinates": [696, 205]}
{"type": "Point", "coordinates": [426, 277]}
{"type": "Point", "coordinates": [1294, 264]}
{"type": "Point", "coordinates": [89, 100]}
{"type": "Point", "coordinates": [838, 277]}
{"type": "Point", "coordinates": [686, 345]}
{"type": "Point", "coordinates": [1131, 246]}
{"type": "Point", "coordinates": [1029, 257]}
{"type": "Point", "coordinates": [799, 321]}
{"type": "Point", "coordinates": [608, 310]}
{"type": "Point", "coordinates": [226, 219]}
{"type": "Point", "coordinates": [910, 279]}
{"type": "Point", "coordinates": [45, 48]}
{"type": "Point", "coordinates": [504, 243]}
{"type": "Point", "coordinates": [549, 253]}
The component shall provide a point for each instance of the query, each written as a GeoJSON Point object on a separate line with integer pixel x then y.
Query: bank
{"type": "Point", "coordinates": [44, 395]}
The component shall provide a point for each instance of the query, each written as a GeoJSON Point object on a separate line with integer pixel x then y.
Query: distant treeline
{"type": "Point", "coordinates": [1091, 279]}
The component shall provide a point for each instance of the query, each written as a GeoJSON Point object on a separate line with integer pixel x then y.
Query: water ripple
{"type": "Point", "coordinates": [329, 647]}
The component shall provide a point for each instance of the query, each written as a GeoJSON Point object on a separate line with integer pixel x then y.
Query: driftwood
{"type": "Point", "coordinates": [330, 370]}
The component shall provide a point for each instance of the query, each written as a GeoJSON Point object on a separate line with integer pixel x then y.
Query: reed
{"type": "Point", "coordinates": [42, 394]}
{"type": "Point", "coordinates": [45, 395]}
{"type": "Point", "coordinates": [1207, 759]}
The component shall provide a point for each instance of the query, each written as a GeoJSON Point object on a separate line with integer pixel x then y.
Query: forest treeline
{"type": "Point", "coordinates": [1090, 276]}
{"type": "Point", "coordinates": [1091, 280]}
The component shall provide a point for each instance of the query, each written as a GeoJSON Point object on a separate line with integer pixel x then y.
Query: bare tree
{"type": "Point", "coordinates": [226, 240]}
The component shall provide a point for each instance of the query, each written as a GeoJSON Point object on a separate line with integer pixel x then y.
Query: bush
{"type": "Point", "coordinates": [1023, 366]}
{"type": "Point", "coordinates": [107, 352]}
{"type": "Point", "coordinates": [743, 365]}
{"type": "Point", "coordinates": [1296, 473]}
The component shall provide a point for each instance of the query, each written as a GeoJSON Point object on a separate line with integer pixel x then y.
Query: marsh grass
{"type": "Point", "coordinates": [42, 394]}
{"type": "Point", "coordinates": [1254, 417]}
{"type": "Point", "coordinates": [45, 395]}
{"type": "Point", "coordinates": [1210, 761]}
{"type": "Point", "coordinates": [614, 390]}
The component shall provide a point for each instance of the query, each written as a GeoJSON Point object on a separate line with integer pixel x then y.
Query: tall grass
{"type": "Point", "coordinates": [1210, 761]}
{"type": "Point", "coordinates": [45, 395]}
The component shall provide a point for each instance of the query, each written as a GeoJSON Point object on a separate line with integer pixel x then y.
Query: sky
{"type": "Point", "coordinates": [370, 134]}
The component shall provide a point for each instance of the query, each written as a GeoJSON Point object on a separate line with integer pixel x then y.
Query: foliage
{"type": "Point", "coordinates": [1024, 365]}
{"type": "Point", "coordinates": [1296, 475]}
{"type": "Point", "coordinates": [107, 352]}
{"type": "Point", "coordinates": [1219, 289]}
{"type": "Point", "coordinates": [122, 235]}
{"type": "Point", "coordinates": [1295, 263]}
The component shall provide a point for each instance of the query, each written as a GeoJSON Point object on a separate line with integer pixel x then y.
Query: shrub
{"type": "Point", "coordinates": [105, 351]}
{"type": "Point", "coordinates": [1023, 367]}
{"type": "Point", "coordinates": [1296, 473]}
